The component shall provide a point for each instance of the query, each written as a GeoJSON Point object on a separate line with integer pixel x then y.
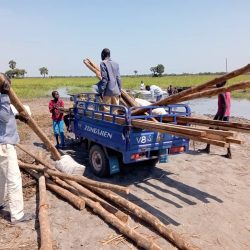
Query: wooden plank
{"type": "Point", "coordinates": [149, 126]}
{"type": "Point", "coordinates": [233, 140]}
{"type": "Point", "coordinates": [166, 127]}
{"type": "Point", "coordinates": [183, 135]}
{"type": "Point", "coordinates": [217, 132]}
{"type": "Point", "coordinates": [223, 125]}
{"type": "Point", "coordinates": [234, 126]}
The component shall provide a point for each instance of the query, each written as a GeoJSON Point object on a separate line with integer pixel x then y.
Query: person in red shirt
{"type": "Point", "coordinates": [223, 114]}
{"type": "Point", "coordinates": [56, 107]}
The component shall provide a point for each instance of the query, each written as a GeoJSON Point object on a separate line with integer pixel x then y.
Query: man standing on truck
{"type": "Point", "coordinates": [109, 87]}
{"type": "Point", "coordinates": [223, 114]}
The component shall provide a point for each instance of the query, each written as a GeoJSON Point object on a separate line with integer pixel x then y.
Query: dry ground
{"type": "Point", "coordinates": [206, 198]}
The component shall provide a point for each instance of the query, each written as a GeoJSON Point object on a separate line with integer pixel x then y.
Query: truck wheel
{"type": "Point", "coordinates": [98, 161]}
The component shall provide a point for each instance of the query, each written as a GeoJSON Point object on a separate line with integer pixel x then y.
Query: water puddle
{"type": "Point", "coordinates": [239, 107]}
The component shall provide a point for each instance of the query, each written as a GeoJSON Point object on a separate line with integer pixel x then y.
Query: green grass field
{"type": "Point", "coordinates": [29, 88]}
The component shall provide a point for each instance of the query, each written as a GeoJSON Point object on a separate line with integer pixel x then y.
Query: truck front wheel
{"type": "Point", "coordinates": [98, 161]}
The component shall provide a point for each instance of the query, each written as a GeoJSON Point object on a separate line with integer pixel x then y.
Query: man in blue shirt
{"type": "Point", "coordinates": [10, 176]}
{"type": "Point", "coordinates": [110, 86]}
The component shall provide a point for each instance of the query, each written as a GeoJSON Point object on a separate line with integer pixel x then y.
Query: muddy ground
{"type": "Point", "coordinates": [206, 198]}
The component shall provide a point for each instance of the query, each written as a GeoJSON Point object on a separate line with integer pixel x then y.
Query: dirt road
{"type": "Point", "coordinates": [206, 198]}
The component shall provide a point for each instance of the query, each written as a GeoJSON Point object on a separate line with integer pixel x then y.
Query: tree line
{"type": "Point", "coordinates": [157, 70]}
{"type": "Point", "coordinates": [14, 72]}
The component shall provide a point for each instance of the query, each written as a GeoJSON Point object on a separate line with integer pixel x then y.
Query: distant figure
{"type": "Point", "coordinates": [223, 114]}
{"type": "Point", "coordinates": [142, 86]}
{"type": "Point", "coordinates": [170, 90]}
{"type": "Point", "coordinates": [175, 91]}
{"type": "Point", "coordinates": [109, 87]}
{"type": "Point", "coordinates": [56, 107]}
{"type": "Point", "coordinates": [156, 92]}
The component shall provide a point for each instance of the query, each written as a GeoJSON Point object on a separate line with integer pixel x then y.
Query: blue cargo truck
{"type": "Point", "coordinates": [112, 140]}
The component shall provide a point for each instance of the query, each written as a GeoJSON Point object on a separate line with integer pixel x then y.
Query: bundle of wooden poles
{"type": "Point", "coordinates": [102, 198]}
{"type": "Point", "coordinates": [220, 133]}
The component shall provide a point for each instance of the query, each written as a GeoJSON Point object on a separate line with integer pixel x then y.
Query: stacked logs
{"type": "Point", "coordinates": [79, 190]}
{"type": "Point", "coordinates": [215, 135]}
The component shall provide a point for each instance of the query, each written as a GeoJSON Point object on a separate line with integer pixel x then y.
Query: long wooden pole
{"type": "Point", "coordinates": [159, 127]}
{"type": "Point", "coordinates": [175, 98]}
{"type": "Point", "coordinates": [177, 130]}
{"type": "Point", "coordinates": [36, 157]}
{"type": "Point", "coordinates": [73, 199]}
{"type": "Point", "coordinates": [212, 92]}
{"type": "Point", "coordinates": [140, 240]}
{"type": "Point", "coordinates": [46, 241]}
{"type": "Point", "coordinates": [80, 179]}
{"type": "Point", "coordinates": [141, 213]}
{"type": "Point", "coordinates": [168, 128]}
{"type": "Point", "coordinates": [110, 218]}
{"type": "Point", "coordinates": [232, 126]}
{"type": "Point", "coordinates": [76, 188]}
{"type": "Point", "coordinates": [33, 125]}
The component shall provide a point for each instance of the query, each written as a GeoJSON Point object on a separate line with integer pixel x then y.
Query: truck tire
{"type": "Point", "coordinates": [98, 161]}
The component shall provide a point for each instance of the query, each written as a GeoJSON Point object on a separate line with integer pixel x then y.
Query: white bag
{"type": "Point", "coordinates": [68, 165]}
{"type": "Point", "coordinates": [157, 111]}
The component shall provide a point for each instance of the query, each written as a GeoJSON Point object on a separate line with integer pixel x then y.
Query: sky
{"type": "Point", "coordinates": [184, 35]}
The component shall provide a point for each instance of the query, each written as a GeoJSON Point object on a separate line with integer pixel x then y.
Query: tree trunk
{"type": "Point", "coordinates": [122, 227]}
{"type": "Point", "coordinates": [46, 242]}
{"type": "Point", "coordinates": [80, 179]}
{"type": "Point", "coordinates": [73, 199]}
{"type": "Point", "coordinates": [164, 230]}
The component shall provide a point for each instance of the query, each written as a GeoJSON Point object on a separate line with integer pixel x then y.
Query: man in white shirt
{"type": "Point", "coordinates": [156, 92]}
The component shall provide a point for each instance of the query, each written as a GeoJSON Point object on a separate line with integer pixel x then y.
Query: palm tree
{"type": "Point", "coordinates": [135, 71]}
{"type": "Point", "coordinates": [12, 64]}
{"type": "Point", "coordinates": [43, 71]}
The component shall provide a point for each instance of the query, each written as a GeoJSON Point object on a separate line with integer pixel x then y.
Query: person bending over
{"type": "Point", "coordinates": [156, 92]}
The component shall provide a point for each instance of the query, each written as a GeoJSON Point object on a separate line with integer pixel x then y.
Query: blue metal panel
{"type": "Point", "coordinates": [102, 132]}
{"type": "Point", "coordinates": [121, 137]}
